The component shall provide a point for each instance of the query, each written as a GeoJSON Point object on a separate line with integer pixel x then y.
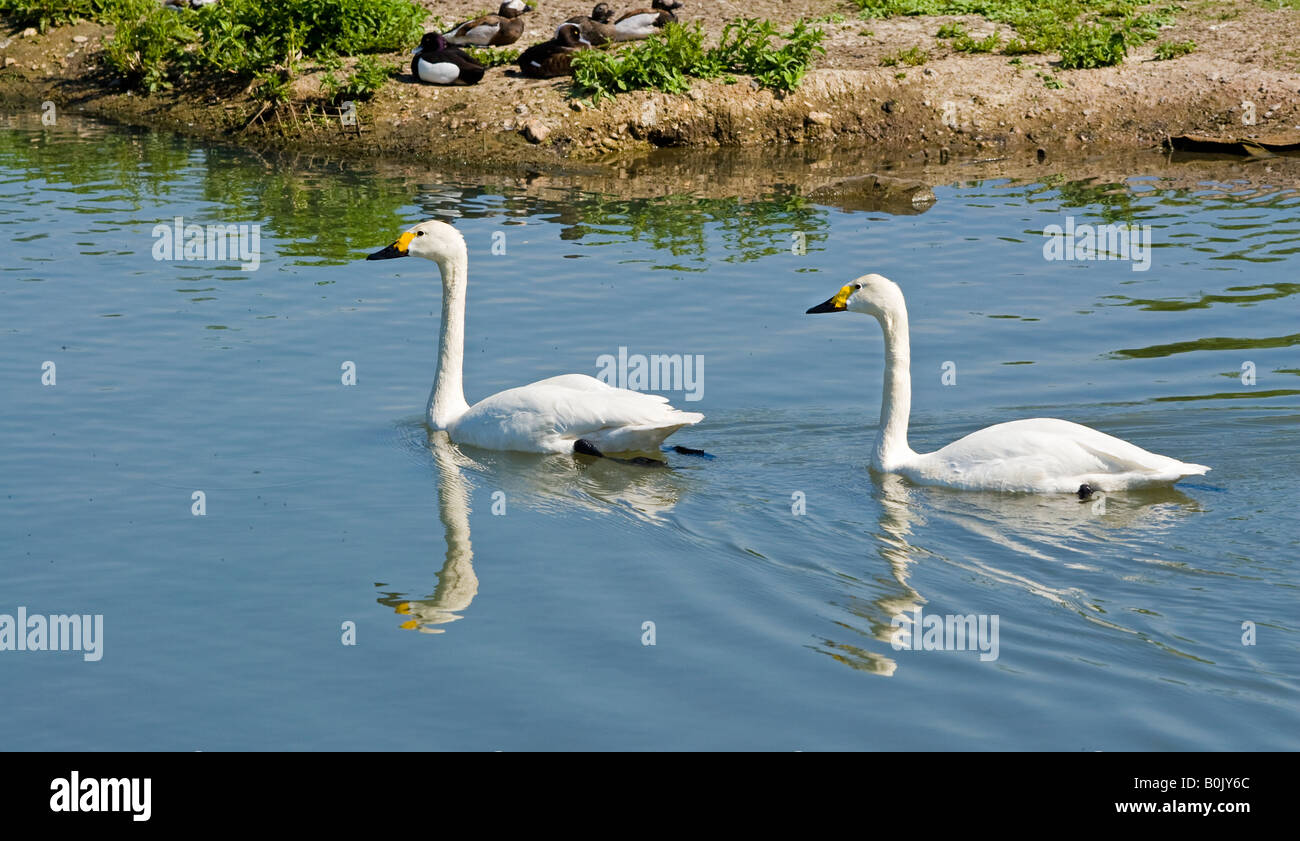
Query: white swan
{"type": "Point", "coordinates": [1042, 455]}
{"type": "Point", "coordinates": [548, 416]}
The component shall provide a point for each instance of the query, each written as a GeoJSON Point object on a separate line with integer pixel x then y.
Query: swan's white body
{"type": "Point", "coordinates": [1045, 455]}
{"type": "Point", "coordinates": [1042, 455]}
{"type": "Point", "coordinates": [547, 416]}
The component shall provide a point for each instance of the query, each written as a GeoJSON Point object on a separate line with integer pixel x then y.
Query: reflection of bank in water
{"type": "Point", "coordinates": [1049, 535]}
{"type": "Point", "coordinates": [556, 484]}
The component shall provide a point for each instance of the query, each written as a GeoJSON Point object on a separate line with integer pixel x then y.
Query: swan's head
{"type": "Point", "coordinates": [872, 294]}
{"type": "Point", "coordinates": [432, 240]}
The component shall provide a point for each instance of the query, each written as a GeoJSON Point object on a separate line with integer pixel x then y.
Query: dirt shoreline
{"type": "Point", "coordinates": [957, 106]}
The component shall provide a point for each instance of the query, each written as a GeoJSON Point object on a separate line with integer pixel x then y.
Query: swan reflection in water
{"type": "Point", "coordinates": [549, 483]}
{"type": "Point", "coordinates": [1049, 537]}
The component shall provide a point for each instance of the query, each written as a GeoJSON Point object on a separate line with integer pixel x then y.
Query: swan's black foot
{"type": "Point", "coordinates": [1085, 491]}
{"type": "Point", "coordinates": [583, 447]}
{"type": "Point", "coordinates": [643, 461]}
{"type": "Point", "coordinates": [689, 451]}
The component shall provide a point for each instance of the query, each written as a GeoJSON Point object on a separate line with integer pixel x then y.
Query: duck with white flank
{"type": "Point", "coordinates": [438, 63]}
{"type": "Point", "coordinates": [553, 57]}
{"type": "Point", "coordinates": [642, 23]}
{"type": "Point", "coordinates": [597, 28]}
{"type": "Point", "coordinates": [497, 30]}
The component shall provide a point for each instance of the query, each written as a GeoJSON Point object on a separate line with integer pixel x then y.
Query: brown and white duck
{"type": "Point", "coordinates": [642, 23]}
{"type": "Point", "coordinates": [553, 57]}
{"type": "Point", "coordinates": [597, 28]}
{"type": "Point", "coordinates": [438, 63]}
{"type": "Point", "coordinates": [497, 30]}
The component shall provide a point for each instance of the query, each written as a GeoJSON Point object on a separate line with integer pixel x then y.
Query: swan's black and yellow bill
{"type": "Point", "coordinates": [397, 249]}
{"type": "Point", "coordinates": [839, 303]}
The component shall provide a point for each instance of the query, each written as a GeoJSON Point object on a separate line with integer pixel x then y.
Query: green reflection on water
{"type": "Point", "coordinates": [1214, 343]}
{"type": "Point", "coordinates": [1277, 290]}
{"type": "Point", "coordinates": [680, 224]}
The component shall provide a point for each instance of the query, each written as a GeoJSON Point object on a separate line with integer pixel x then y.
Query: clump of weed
{"type": "Point", "coordinates": [1093, 45]}
{"type": "Point", "coordinates": [493, 56]}
{"type": "Point", "coordinates": [966, 44]}
{"type": "Point", "coordinates": [1169, 50]}
{"type": "Point", "coordinates": [667, 61]}
{"type": "Point", "coordinates": [1083, 31]}
{"type": "Point", "coordinates": [912, 57]}
{"type": "Point", "coordinates": [367, 77]}
{"type": "Point", "coordinates": [248, 39]}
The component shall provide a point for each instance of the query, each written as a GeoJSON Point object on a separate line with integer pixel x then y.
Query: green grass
{"type": "Point", "coordinates": [668, 61]}
{"type": "Point", "coordinates": [1169, 50]}
{"type": "Point", "coordinates": [1083, 31]}
{"type": "Point", "coordinates": [493, 56]}
{"type": "Point", "coordinates": [1050, 81]}
{"type": "Point", "coordinates": [43, 14]}
{"type": "Point", "coordinates": [366, 79]}
{"type": "Point", "coordinates": [912, 57]}
{"type": "Point", "coordinates": [1092, 45]}
{"type": "Point", "coordinates": [147, 41]}
{"type": "Point", "coordinates": [966, 44]}
{"type": "Point", "coordinates": [246, 39]}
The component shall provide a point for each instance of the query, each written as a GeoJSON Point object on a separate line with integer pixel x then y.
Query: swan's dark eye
{"type": "Point", "coordinates": [857, 286]}
{"type": "Point", "coordinates": [419, 233]}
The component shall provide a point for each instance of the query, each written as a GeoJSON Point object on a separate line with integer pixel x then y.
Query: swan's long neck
{"type": "Point", "coordinates": [447, 398]}
{"type": "Point", "coordinates": [896, 403]}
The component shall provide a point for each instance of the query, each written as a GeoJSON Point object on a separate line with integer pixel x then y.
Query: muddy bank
{"type": "Point", "coordinates": [1241, 80]}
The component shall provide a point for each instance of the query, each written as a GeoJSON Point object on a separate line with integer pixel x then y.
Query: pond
{"type": "Point", "coordinates": [229, 464]}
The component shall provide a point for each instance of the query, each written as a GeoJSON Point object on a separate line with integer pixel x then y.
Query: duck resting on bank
{"type": "Point", "coordinates": [499, 30]}
{"type": "Point", "coordinates": [554, 57]}
{"type": "Point", "coordinates": [597, 28]}
{"type": "Point", "coordinates": [438, 63]}
{"type": "Point", "coordinates": [642, 23]}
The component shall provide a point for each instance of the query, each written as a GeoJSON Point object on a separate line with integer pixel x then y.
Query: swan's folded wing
{"type": "Point", "coordinates": [1048, 454]}
{"type": "Point", "coordinates": [549, 415]}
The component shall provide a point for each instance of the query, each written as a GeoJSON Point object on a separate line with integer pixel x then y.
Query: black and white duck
{"type": "Point", "coordinates": [438, 63]}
